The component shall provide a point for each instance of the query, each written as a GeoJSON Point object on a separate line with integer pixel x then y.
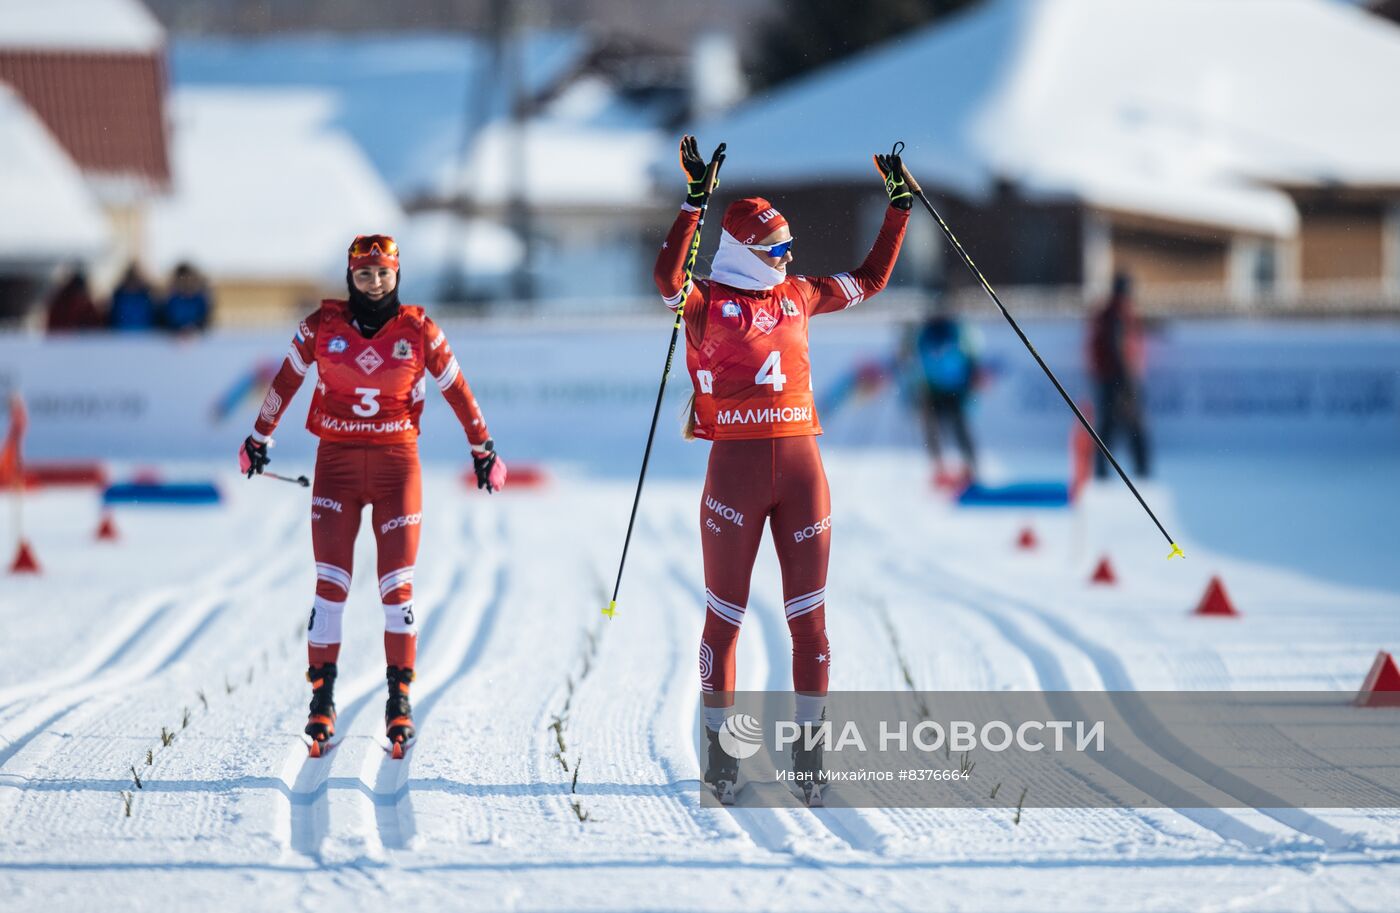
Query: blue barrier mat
{"type": "Point", "coordinates": [1019, 494]}
{"type": "Point", "coordinates": [162, 493]}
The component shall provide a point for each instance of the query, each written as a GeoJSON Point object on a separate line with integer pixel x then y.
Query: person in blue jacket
{"type": "Point", "coordinates": [945, 368]}
{"type": "Point", "coordinates": [133, 307]}
{"type": "Point", "coordinates": [186, 308]}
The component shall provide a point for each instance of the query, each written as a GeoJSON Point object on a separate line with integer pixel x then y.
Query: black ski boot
{"type": "Point", "coordinates": [398, 713]}
{"type": "Point", "coordinates": [808, 769]}
{"type": "Point", "coordinates": [320, 724]}
{"type": "Point", "coordinates": [721, 771]}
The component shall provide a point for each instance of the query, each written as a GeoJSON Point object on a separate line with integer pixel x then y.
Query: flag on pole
{"type": "Point", "coordinates": [11, 466]}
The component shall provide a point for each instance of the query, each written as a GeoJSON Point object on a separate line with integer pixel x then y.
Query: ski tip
{"type": "Point", "coordinates": [611, 609]}
{"type": "Point", "coordinates": [397, 752]}
{"type": "Point", "coordinates": [1176, 552]}
{"type": "Point", "coordinates": [314, 749]}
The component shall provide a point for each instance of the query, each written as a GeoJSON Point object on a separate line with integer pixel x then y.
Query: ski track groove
{"type": "Point", "coordinates": [1115, 679]}
{"type": "Point", "coordinates": [992, 605]}
{"type": "Point", "coordinates": [130, 627]}
{"type": "Point", "coordinates": [1052, 676]}
{"type": "Point", "coordinates": [168, 647]}
{"type": "Point", "coordinates": [392, 790]}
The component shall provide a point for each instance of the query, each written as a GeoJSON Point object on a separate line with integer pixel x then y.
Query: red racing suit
{"type": "Point", "coordinates": [748, 360]}
{"type": "Point", "coordinates": [366, 410]}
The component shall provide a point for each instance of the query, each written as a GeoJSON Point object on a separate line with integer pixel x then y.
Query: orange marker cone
{"type": "Point", "coordinates": [25, 562]}
{"type": "Point", "coordinates": [1216, 602]}
{"type": "Point", "coordinates": [1382, 685]}
{"type": "Point", "coordinates": [107, 529]}
{"type": "Point", "coordinates": [1104, 572]}
{"type": "Point", "coordinates": [1027, 540]}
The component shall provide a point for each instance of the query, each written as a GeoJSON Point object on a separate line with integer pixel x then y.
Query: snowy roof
{"type": "Point", "coordinates": [562, 163]}
{"type": "Point", "coordinates": [50, 214]}
{"type": "Point", "coordinates": [265, 187]}
{"type": "Point", "coordinates": [86, 25]}
{"type": "Point", "coordinates": [1181, 108]}
{"type": "Point", "coordinates": [404, 98]}
{"type": "Point", "coordinates": [437, 244]}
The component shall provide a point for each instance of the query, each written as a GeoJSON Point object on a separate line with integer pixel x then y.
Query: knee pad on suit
{"type": "Point", "coordinates": [326, 619]}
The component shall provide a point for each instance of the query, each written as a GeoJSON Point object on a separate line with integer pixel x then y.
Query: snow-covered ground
{"type": "Point", "coordinates": [535, 711]}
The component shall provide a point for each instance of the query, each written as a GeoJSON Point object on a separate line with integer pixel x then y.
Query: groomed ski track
{"type": "Point", "coordinates": [556, 766]}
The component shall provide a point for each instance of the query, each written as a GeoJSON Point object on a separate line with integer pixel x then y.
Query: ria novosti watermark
{"type": "Point", "coordinates": [1066, 749]}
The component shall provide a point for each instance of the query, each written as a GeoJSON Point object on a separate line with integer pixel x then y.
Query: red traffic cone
{"type": "Point", "coordinates": [107, 529]}
{"type": "Point", "coordinates": [1382, 685]}
{"type": "Point", "coordinates": [1215, 602]}
{"type": "Point", "coordinates": [1027, 540]}
{"type": "Point", "coordinates": [1104, 572]}
{"type": "Point", "coordinates": [25, 562]}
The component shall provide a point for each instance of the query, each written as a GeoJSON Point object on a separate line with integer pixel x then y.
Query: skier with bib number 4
{"type": "Point", "coordinates": [371, 355]}
{"type": "Point", "coordinates": [746, 352]}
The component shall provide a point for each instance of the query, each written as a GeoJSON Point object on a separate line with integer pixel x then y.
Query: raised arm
{"type": "Point", "coordinates": [669, 272]}
{"type": "Point", "coordinates": [843, 290]}
{"type": "Point", "coordinates": [701, 178]}
{"type": "Point", "coordinates": [836, 293]}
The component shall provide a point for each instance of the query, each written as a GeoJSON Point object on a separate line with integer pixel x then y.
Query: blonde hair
{"type": "Point", "coordinates": [688, 422]}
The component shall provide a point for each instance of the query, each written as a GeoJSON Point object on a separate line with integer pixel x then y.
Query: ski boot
{"type": "Point", "coordinates": [722, 771]}
{"type": "Point", "coordinates": [398, 714]}
{"type": "Point", "coordinates": [320, 725]}
{"type": "Point", "coordinates": [809, 771]}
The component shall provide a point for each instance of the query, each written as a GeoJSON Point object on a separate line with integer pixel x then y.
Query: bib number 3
{"type": "Point", "coordinates": [772, 372]}
{"type": "Point", "coordinates": [369, 402]}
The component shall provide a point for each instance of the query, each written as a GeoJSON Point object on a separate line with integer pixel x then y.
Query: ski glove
{"type": "Point", "coordinates": [695, 170]}
{"type": "Point", "coordinates": [891, 169]}
{"type": "Point", "coordinates": [252, 456]}
{"type": "Point", "coordinates": [490, 469]}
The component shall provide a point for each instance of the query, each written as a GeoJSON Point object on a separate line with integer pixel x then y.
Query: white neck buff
{"type": "Point", "coordinates": [735, 265]}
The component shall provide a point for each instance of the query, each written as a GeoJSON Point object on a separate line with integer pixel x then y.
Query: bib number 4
{"type": "Point", "coordinates": [772, 372]}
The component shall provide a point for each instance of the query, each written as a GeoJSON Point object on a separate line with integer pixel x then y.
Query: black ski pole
{"type": "Point", "coordinates": [711, 177]}
{"type": "Point", "coordinates": [303, 481]}
{"type": "Point", "coordinates": [987, 286]}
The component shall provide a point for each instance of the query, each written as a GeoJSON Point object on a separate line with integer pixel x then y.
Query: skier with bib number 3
{"type": "Point", "coordinates": [746, 352]}
{"type": "Point", "coordinates": [371, 354]}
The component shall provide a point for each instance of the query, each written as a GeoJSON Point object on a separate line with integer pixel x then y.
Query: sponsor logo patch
{"type": "Point", "coordinates": [438, 340]}
{"type": "Point", "coordinates": [789, 306]}
{"type": "Point", "coordinates": [729, 309]}
{"type": "Point", "coordinates": [402, 350]}
{"type": "Point", "coordinates": [764, 320]}
{"type": "Point", "coordinates": [813, 531]}
{"type": "Point", "coordinates": [351, 426]}
{"type": "Point", "coordinates": [327, 503]}
{"type": "Point", "coordinates": [725, 511]}
{"type": "Point", "coordinates": [399, 522]}
{"type": "Point", "coordinates": [765, 415]}
{"type": "Point", "coordinates": [369, 360]}
{"type": "Point", "coordinates": [272, 405]}
{"type": "Point", "coordinates": [337, 345]}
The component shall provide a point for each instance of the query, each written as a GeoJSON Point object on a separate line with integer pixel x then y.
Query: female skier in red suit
{"type": "Point", "coordinates": [371, 355]}
{"type": "Point", "coordinates": [746, 351]}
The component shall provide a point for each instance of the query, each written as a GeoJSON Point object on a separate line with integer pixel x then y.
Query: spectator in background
{"type": "Point", "coordinates": [133, 305]}
{"type": "Point", "coordinates": [945, 355]}
{"type": "Point", "coordinates": [71, 308]}
{"type": "Point", "coordinates": [186, 310]}
{"type": "Point", "coordinates": [1116, 363]}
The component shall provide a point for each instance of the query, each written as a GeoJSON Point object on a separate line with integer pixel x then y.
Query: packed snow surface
{"type": "Point", "coordinates": [535, 711]}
